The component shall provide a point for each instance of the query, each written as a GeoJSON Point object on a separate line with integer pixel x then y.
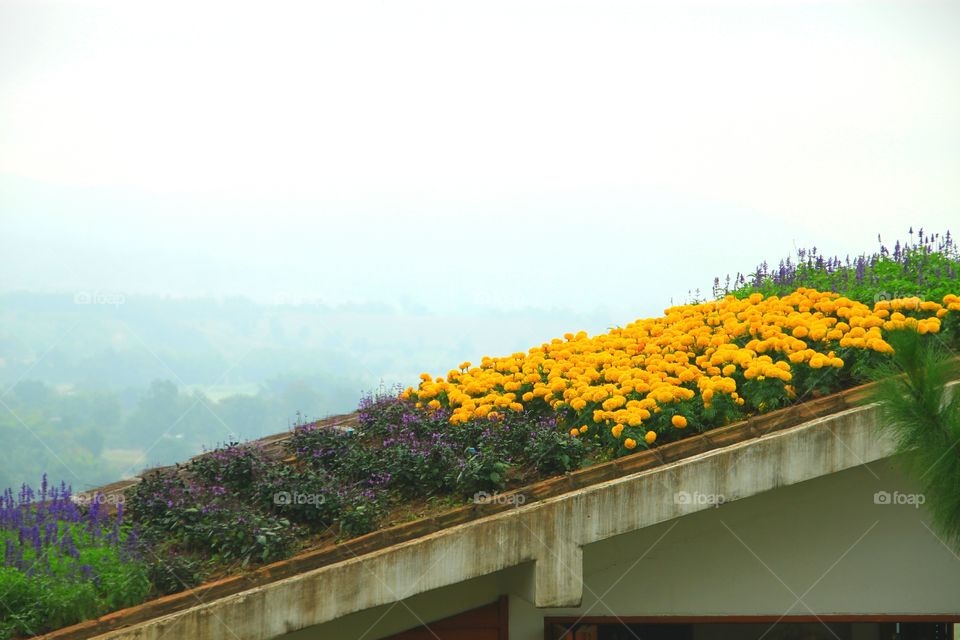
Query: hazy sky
{"type": "Point", "coordinates": [450, 153]}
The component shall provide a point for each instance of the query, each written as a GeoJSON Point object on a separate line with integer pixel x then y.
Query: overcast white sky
{"type": "Point", "coordinates": [451, 153]}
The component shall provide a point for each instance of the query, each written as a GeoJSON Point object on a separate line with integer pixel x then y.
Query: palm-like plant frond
{"type": "Point", "coordinates": [922, 414]}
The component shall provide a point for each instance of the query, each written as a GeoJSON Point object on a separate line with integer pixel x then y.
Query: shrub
{"type": "Point", "coordinates": [379, 413]}
{"type": "Point", "coordinates": [196, 518]}
{"type": "Point", "coordinates": [242, 535]}
{"type": "Point", "coordinates": [553, 451]}
{"type": "Point", "coordinates": [418, 465]}
{"type": "Point", "coordinates": [479, 470]}
{"type": "Point", "coordinates": [172, 572]}
{"type": "Point", "coordinates": [235, 466]}
{"type": "Point", "coordinates": [321, 447]}
{"type": "Point", "coordinates": [301, 495]}
{"type": "Point", "coordinates": [362, 513]}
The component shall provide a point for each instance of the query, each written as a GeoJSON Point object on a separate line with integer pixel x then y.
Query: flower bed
{"type": "Point", "coordinates": [234, 506]}
{"type": "Point", "coordinates": [764, 344]}
{"type": "Point", "coordinates": [697, 367]}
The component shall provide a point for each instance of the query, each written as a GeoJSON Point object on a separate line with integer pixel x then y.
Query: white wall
{"type": "Point", "coordinates": [824, 540]}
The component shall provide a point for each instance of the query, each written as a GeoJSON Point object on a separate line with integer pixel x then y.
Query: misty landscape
{"type": "Point", "coordinates": [100, 386]}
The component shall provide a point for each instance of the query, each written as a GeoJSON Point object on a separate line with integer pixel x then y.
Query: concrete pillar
{"type": "Point", "coordinates": [558, 577]}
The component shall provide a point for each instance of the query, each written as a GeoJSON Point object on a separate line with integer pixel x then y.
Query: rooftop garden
{"type": "Point", "coordinates": [813, 326]}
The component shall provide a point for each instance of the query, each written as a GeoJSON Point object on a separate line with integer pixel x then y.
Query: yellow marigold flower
{"type": "Point", "coordinates": [630, 443]}
{"type": "Point", "coordinates": [651, 437]}
{"type": "Point", "coordinates": [616, 430]}
{"type": "Point", "coordinates": [574, 432]}
{"type": "Point", "coordinates": [614, 403]}
{"type": "Point", "coordinates": [584, 429]}
{"type": "Point", "coordinates": [679, 421]}
{"type": "Point", "coordinates": [664, 396]}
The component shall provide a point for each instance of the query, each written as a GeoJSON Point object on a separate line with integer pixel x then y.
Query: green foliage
{"type": "Point", "coordinates": [234, 466]}
{"type": "Point", "coordinates": [924, 421]}
{"type": "Point", "coordinates": [554, 451]}
{"type": "Point", "coordinates": [928, 268]}
{"type": "Point", "coordinates": [363, 514]}
{"type": "Point", "coordinates": [184, 516]}
{"type": "Point", "coordinates": [481, 470]}
{"type": "Point", "coordinates": [280, 487]}
{"type": "Point", "coordinates": [172, 572]}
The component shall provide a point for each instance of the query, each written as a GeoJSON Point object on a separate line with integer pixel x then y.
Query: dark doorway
{"type": "Point", "coordinates": [801, 629]}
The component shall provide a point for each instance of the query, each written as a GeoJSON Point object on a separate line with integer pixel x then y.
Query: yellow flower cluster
{"type": "Point", "coordinates": [627, 376]}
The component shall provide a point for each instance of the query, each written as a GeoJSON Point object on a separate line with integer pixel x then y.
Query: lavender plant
{"type": "Point", "coordinates": [925, 265]}
{"type": "Point", "coordinates": [63, 562]}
